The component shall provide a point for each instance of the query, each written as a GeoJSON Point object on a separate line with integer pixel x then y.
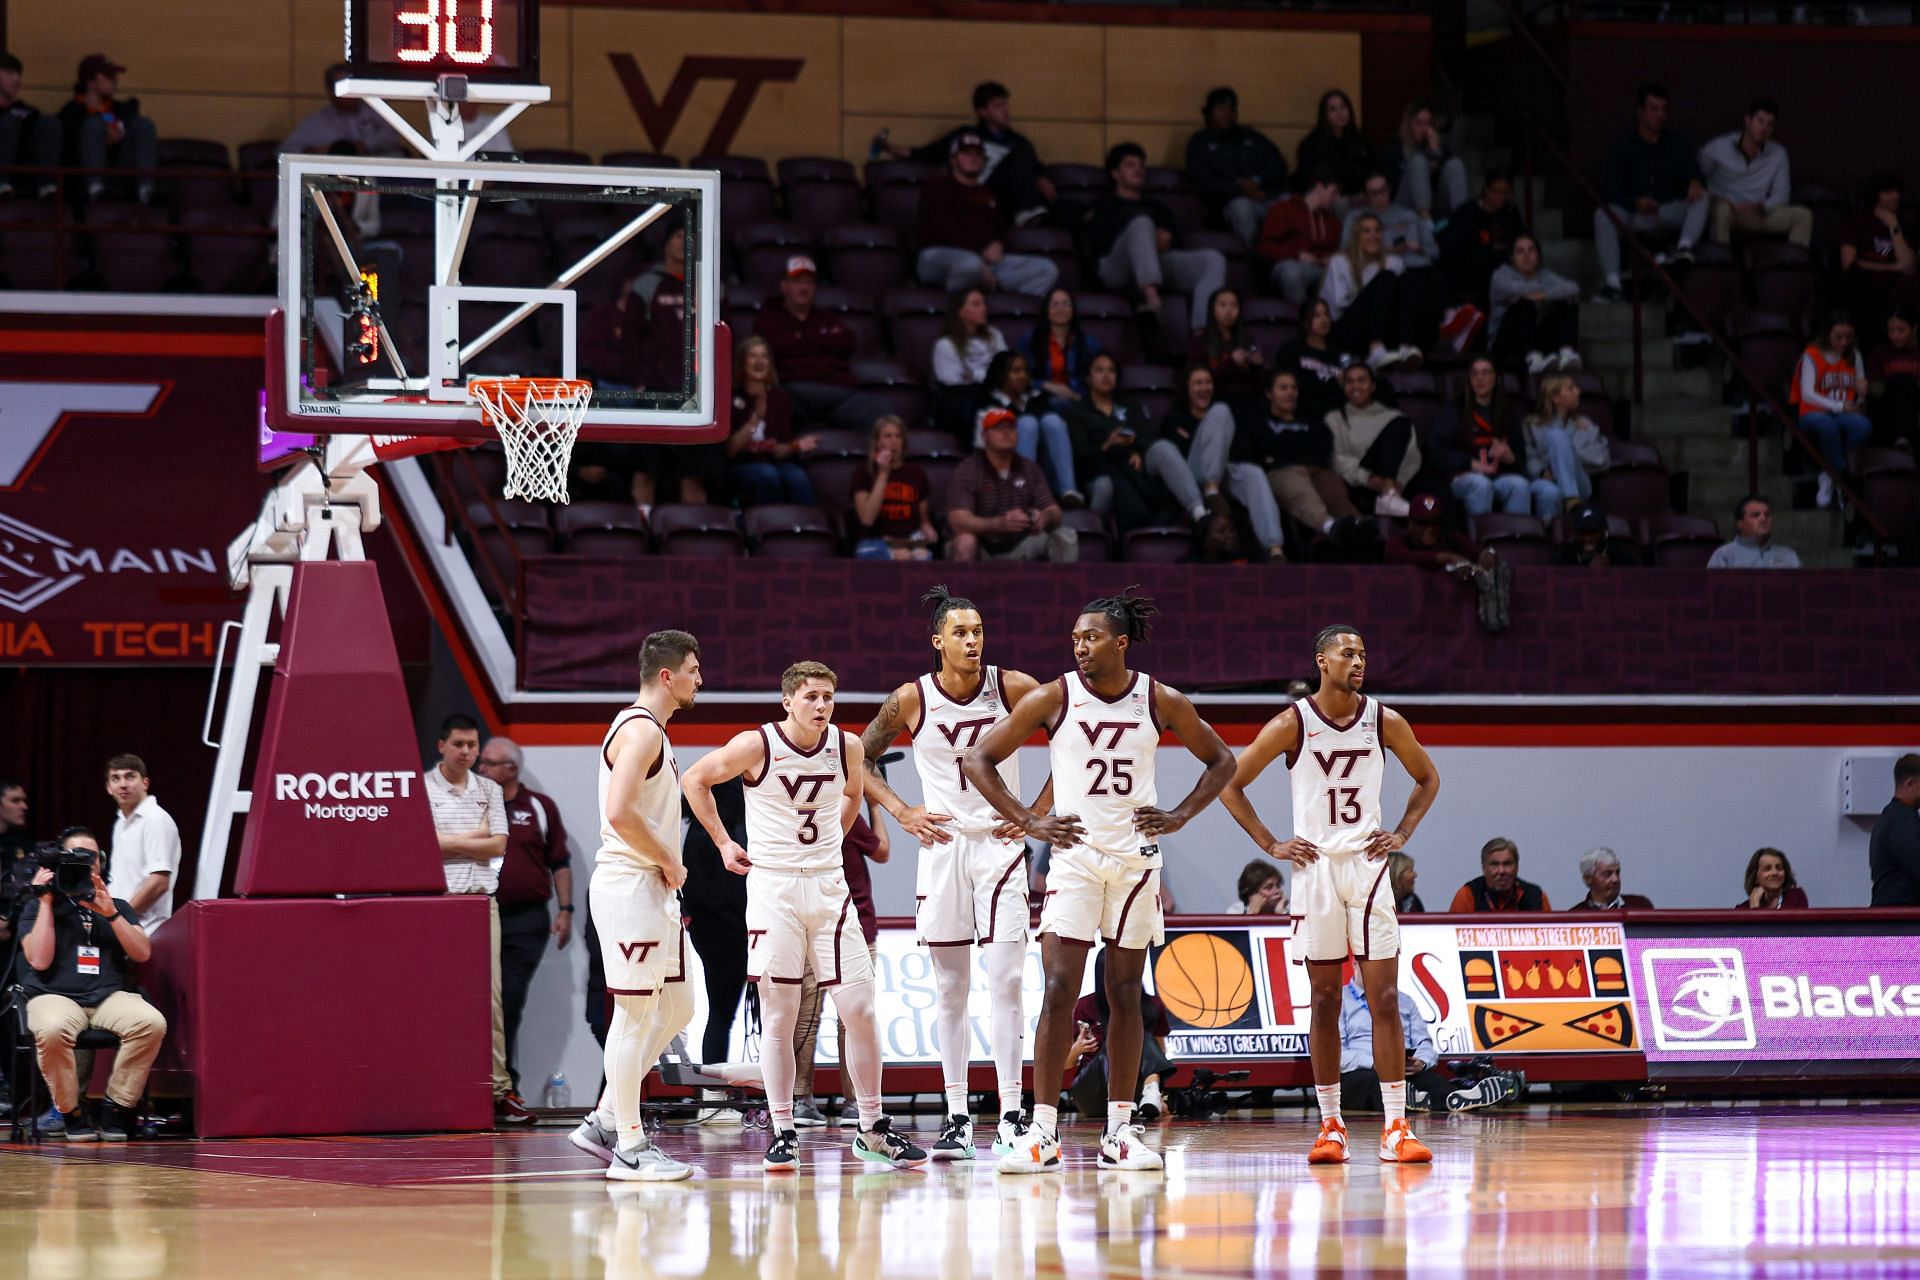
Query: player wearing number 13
{"type": "Point", "coordinates": [1104, 723]}
{"type": "Point", "coordinates": [1334, 742]}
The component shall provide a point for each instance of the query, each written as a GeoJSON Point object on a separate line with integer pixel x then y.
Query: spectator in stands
{"type": "Point", "coordinates": [1770, 884]}
{"type": "Point", "coordinates": [146, 844]}
{"type": "Point", "coordinates": [1203, 429]}
{"type": "Point", "coordinates": [890, 499]}
{"type": "Point", "coordinates": [1563, 445]}
{"type": "Point", "coordinates": [715, 900]}
{"type": "Point", "coordinates": [1749, 180]}
{"type": "Point", "coordinates": [1830, 388]}
{"type": "Point", "coordinates": [1237, 364]}
{"type": "Point", "coordinates": [1409, 237]}
{"type": "Point", "coordinates": [99, 131]}
{"type": "Point", "coordinates": [1320, 366]}
{"type": "Point", "coordinates": [1401, 876]}
{"type": "Point", "coordinates": [1237, 168]}
{"type": "Point", "coordinates": [766, 456]}
{"type": "Point", "coordinates": [1215, 541]}
{"type": "Point", "coordinates": [499, 143]}
{"type": "Point", "coordinates": [537, 867]}
{"type": "Point", "coordinates": [1753, 546]}
{"type": "Point", "coordinates": [669, 273]}
{"type": "Point", "coordinates": [1373, 446]}
{"type": "Point", "coordinates": [1499, 887]}
{"type": "Point", "coordinates": [26, 137]}
{"type": "Point", "coordinates": [1009, 385]}
{"type": "Point", "coordinates": [1893, 850]}
{"type": "Point", "coordinates": [470, 816]}
{"type": "Point", "coordinates": [1427, 543]}
{"type": "Point", "coordinates": [76, 977]}
{"type": "Point", "coordinates": [1013, 170]}
{"type": "Point", "coordinates": [1652, 183]}
{"type": "Point", "coordinates": [1091, 1014]}
{"type": "Point", "coordinates": [1132, 238]}
{"type": "Point", "coordinates": [1132, 474]}
{"type": "Point", "coordinates": [1260, 891]}
{"type": "Point", "coordinates": [962, 355]}
{"type": "Point", "coordinates": [1477, 440]}
{"type": "Point", "coordinates": [1362, 287]}
{"type": "Point", "coordinates": [1425, 176]}
{"type": "Point", "coordinates": [1877, 261]}
{"type": "Point", "coordinates": [813, 351]}
{"type": "Point", "coordinates": [1478, 238]}
{"type": "Point", "coordinates": [1893, 382]}
{"type": "Point", "coordinates": [963, 230]}
{"type": "Point", "coordinates": [999, 506]}
{"type": "Point", "coordinates": [1600, 871]}
{"type": "Point", "coordinates": [1335, 144]}
{"type": "Point", "coordinates": [1295, 452]}
{"type": "Point", "coordinates": [1301, 236]}
{"type": "Point", "coordinates": [1590, 547]}
{"type": "Point", "coordinates": [342, 120]}
{"type": "Point", "coordinates": [1060, 352]}
{"type": "Point", "coordinates": [1536, 312]}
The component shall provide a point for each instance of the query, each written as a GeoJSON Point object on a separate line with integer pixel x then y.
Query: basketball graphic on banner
{"type": "Point", "coordinates": [1204, 980]}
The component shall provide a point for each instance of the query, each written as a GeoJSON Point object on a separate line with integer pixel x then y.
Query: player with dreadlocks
{"type": "Point", "coordinates": [972, 883]}
{"type": "Point", "coordinates": [1104, 722]}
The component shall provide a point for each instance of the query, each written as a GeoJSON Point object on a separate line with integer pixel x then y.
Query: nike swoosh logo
{"type": "Point", "coordinates": [1314, 733]}
{"type": "Point", "coordinates": [1078, 705]}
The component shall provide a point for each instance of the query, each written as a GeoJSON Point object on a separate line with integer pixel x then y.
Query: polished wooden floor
{"type": "Point", "coordinates": [1674, 1190]}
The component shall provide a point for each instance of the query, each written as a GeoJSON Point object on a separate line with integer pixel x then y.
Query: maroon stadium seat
{"type": "Point", "coordinates": [614, 530]}
{"type": "Point", "coordinates": [832, 478]}
{"type": "Point", "coordinates": [865, 256]}
{"type": "Point", "coordinates": [1052, 243]}
{"type": "Point", "coordinates": [750, 168]}
{"type": "Point", "coordinates": [1082, 181]}
{"type": "Point", "coordinates": [697, 529]}
{"type": "Point", "coordinates": [1157, 544]}
{"type": "Point", "coordinates": [555, 155]}
{"type": "Point", "coordinates": [1096, 534]}
{"type": "Point", "coordinates": [821, 205]}
{"type": "Point", "coordinates": [639, 160]}
{"type": "Point", "coordinates": [798, 169]}
{"type": "Point", "coordinates": [791, 532]}
{"type": "Point", "coordinates": [1633, 491]}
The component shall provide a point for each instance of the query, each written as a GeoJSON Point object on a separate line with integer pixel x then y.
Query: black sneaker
{"type": "Point", "coordinates": [75, 1127]}
{"type": "Point", "coordinates": [956, 1140]}
{"type": "Point", "coordinates": [881, 1145]}
{"type": "Point", "coordinates": [116, 1121]}
{"type": "Point", "coordinates": [783, 1153]}
{"type": "Point", "coordinates": [1610, 293]}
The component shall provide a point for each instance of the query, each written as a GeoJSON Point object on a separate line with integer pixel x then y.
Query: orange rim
{"type": "Point", "coordinates": [519, 391]}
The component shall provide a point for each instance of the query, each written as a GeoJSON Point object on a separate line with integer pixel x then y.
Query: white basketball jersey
{"type": "Point", "coordinates": [793, 808]}
{"type": "Point", "coordinates": [1336, 777]}
{"type": "Point", "coordinates": [946, 732]}
{"type": "Point", "coordinates": [659, 795]}
{"type": "Point", "coordinates": [1102, 754]}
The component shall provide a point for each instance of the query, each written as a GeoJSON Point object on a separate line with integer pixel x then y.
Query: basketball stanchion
{"type": "Point", "coordinates": [538, 420]}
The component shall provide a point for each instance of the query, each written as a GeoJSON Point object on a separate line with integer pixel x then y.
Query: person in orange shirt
{"type": "Point", "coordinates": [1499, 887]}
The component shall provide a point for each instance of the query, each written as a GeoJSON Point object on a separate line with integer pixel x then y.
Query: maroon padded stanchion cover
{"type": "Point", "coordinates": [324, 1016]}
{"type": "Point", "coordinates": [338, 804]}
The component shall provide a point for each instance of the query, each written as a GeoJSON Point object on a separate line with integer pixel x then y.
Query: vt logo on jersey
{"type": "Point", "coordinates": [629, 950]}
{"type": "Point", "coordinates": [812, 781]}
{"type": "Point", "coordinates": [1093, 732]}
{"type": "Point", "coordinates": [972, 728]}
{"type": "Point", "coordinates": [1350, 757]}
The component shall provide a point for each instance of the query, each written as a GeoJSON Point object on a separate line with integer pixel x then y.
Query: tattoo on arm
{"type": "Point", "coordinates": [884, 729]}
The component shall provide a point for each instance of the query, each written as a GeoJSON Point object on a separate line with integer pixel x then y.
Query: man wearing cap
{"type": "Point", "coordinates": [1429, 544]}
{"type": "Point", "coordinates": [1589, 548]}
{"type": "Point", "coordinates": [1238, 169]}
{"type": "Point", "coordinates": [812, 351]}
{"type": "Point", "coordinates": [999, 506]}
{"type": "Point", "coordinates": [101, 132]}
{"type": "Point", "coordinates": [1013, 167]}
{"type": "Point", "coordinates": [962, 230]}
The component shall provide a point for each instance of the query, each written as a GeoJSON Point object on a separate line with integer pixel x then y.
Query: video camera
{"type": "Point", "coordinates": [1206, 1096]}
{"type": "Point", "coordinates": [72, 870]}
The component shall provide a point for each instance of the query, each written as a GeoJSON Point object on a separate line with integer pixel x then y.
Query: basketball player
{"type": "Point", "coordinates": [804, 777]}
{"type": "Point", "coordinates": [972, 883]}
{"type": "Point", "coordinates": [1333, 742]}
{"type": "Point", "coordinates": [635, 900]}
{"type": "Point", "coordinates": [1104, 722]}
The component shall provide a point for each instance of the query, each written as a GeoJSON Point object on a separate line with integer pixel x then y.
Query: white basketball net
{"type": "Point", "coordinates": [538, 420]}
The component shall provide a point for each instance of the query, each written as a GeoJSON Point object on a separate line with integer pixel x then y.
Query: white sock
{"type": "Point", "coordinates": [1199, 512]}
{"type": "Point", "coordinates": [1393, 1100]}
{"type": "Point", "coordinates": [957, 1100]}
{"type": "Point", "coordinates": [1010, 1101]}
{"type": "Point", "coordinates": [1329, 1096]}
{"type": "Point", "coordinates": [1150, 1092]}
{"type": "Point", "coordinates": [870, 1112]}
{"type": "Point", "coordinates": [1119, 1115]}
{"type": "Point", "coordinates": [1047, 1120]}
{"type": "Point", "coordinates": [1613, 282]}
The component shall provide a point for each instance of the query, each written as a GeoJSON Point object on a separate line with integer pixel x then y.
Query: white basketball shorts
{"type": "Point", "coordinates": [793, 917]}
{"type": "Point", "coordinates": [971, 889]}
{"type": "Point", "coordinates": [1345, 904]}
{"type": "Point", "coordinates": [642, 941]}
{"type": "Point", "coordinates": [1098, 895]}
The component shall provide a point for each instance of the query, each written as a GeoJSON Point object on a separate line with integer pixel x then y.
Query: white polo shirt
{"type": "Point", "coordinates": [458, 810]}
{"type": "Point", "coordinates": [145, 841]}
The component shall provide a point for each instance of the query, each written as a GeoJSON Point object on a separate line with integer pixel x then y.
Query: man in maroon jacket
{"type": "Point", "coordinates": [1301, 235]}
{"type": "Point", "coordinates": [812, 352]}
{"type": "Point", "coordinates": [963, 231]}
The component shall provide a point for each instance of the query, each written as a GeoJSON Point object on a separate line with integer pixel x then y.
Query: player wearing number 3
{"type": "Point", "coordinates": [1104, 724]}
{"type": "Point", "coordinates": [1334, 742]}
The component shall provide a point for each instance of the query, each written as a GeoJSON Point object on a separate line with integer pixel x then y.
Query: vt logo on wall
{"type": "Point", "coordinates": [658, 116]}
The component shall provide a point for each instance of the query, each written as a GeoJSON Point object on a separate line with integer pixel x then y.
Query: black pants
{"type": "Point", "coordinates": [1360, 1089]}
{"type": "Point", "coordinates": [1388, 450]}
{"type": "Point", "coordinates": [842, 406]}
{"type": "Point", "coordinates": [524, 931]}
{"type": "Point", "coordinates": [1536, 326]}
{"type": "Point", "coordinates": [721, 940]}
{"type": "Point", "coordinates": [1376, 316]}
{"type": "Point", "coordinates": [1089, 1088]}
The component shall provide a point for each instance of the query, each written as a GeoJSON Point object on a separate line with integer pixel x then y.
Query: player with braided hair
{"type": "Point", "coordinates": [1104, 722]}
{"type": "Point", "coordinates": [971, 884]}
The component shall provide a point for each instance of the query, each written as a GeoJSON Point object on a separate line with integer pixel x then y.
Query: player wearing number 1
{"type": "Point", "coordinates": [1104, 723]}
{"type": "Point", "coordinates": [1334, 742]}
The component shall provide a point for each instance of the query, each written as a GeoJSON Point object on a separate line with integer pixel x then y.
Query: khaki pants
{"type": "Point", "coordinates": [502, 1082]}
{"type": "Point", "coordinates": [57, 1022]}
{"type": "Point", "coordinates": [1790, 220]}
{"type": "Point", "coordinates": [1311, 495]}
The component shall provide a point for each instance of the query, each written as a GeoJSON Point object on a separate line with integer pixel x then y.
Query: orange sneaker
{"type": "Point", "coordinates": [1331, 1146]}
{"type": "Point", "coordinates": [1397, 1144]}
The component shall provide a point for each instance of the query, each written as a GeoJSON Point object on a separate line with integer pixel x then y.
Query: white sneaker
{"type": "Point", "coordinates": [1038, 1152]}
{"type": "Point", "coordinates": [594, 1138]}
{"type": "Point", "coordinates": [1126, 1147]}
{"type": "Point", "coordinates": [1152, 1104]}
{"type": "Point", "coordinates": [1823, 495]}
{"type": "Point", "coordinates": [1570, 361]}
{"type": "Point", "coordinates": [955, 1141]}
{"type": "Point", "coordinates": [1009, 1133]}
{"type": "Point", "coordinates": [1410, 356]}
{"type": "Point", "coordinates": [648, 1164]}
{"type": "Point", "coordinates": [1539, 362]}
{"type": "Point", "coordinates": [1379, 358]}
{"type": "Point", "coordinates": [1392, 504]}
{"type": "Point", "coordinates": [1399, 1146]}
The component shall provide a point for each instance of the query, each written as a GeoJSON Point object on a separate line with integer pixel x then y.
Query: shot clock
{"type": "Point", "coordinates": [489, 41]}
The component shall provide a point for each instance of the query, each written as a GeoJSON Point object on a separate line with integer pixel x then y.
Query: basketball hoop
{"type": "Point", "coordinates": [538, 420]}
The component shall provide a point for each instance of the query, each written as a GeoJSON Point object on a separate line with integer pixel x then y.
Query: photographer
{"type": "Point", "coordinates": [78, 940]}
{"type": "Point", "coordinates": [1090, 1016]}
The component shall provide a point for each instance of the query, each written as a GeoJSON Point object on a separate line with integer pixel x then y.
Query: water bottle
{"type": "Point", "coordinates": [558, 1095]}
